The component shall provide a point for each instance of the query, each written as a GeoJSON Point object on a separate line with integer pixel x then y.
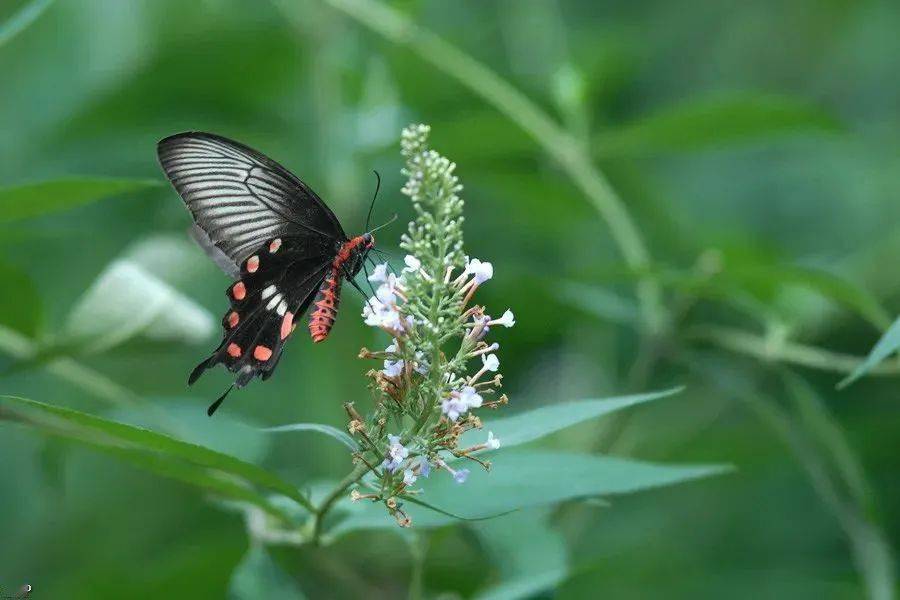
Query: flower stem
{"type": "Point", "coordinates": [320, 513]}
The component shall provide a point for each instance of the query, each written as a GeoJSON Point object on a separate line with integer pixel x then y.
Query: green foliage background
{"type": "Point", "coordinates": [753, 146]}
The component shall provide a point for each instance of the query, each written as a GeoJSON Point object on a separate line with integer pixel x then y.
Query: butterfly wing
{"type": "Point", "coordinates": [239, 197]}
{"type": "Point", "coordinates": [274, 288]}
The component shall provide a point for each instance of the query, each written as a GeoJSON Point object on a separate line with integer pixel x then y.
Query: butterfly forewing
{"type": "Point", "coordinates": [239, 197]}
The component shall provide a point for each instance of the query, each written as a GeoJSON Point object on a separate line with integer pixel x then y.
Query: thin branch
{"type": "Point", "coordinates": [804, 355]}
{"type": "Point", "coordinates": [548, 134]}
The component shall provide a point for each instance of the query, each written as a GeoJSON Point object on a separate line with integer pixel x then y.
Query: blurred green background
{"type": "Point", "coordinates": [754, 145]}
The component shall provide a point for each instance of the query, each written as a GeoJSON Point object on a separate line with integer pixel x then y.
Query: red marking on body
{"type": "Point", "coordinates": [275, 245]}
{"type": "Point", "coordinates": [233, 319]}
{"type": "Point", "coordinates": [234, 350]}
{"type": "Point", "coordinates": [327, 300]}
{"type": "Point", "coordinates": [239, 291]}
{"type": "Point", "coordinates": [287, 324]}
{"type": "Point", "coordinates": [262, 353]}
{"type": "Point", "coordinates": [252, 264]}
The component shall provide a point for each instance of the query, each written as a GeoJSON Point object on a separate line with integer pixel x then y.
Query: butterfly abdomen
{"type": "Point", "coordinates": [326, 305]}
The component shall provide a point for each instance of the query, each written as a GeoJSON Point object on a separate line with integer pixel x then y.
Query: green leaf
{"type": "Point", "coordinates": [523, 479]}
{"type": "Point", "coordinates": [713, 121]}
{"type": "Point", "coordinates": [599, 302]}
{"type": "Point", "coordinates": [529, 554]}
{"type": "Point", "coordinates": [20, 303]}
{"type": "Point", "coordinates": [110, 434]}
{"type": "Point", "coordinates": [539, 422]}
{"type": "Point", "coordinates": [328, 430]}
{"type": "Point", "coordinates": [887, 345]}
{"type": "Point", "coordinates": [36, 199]}
{"type": "Point", "coordinates": [126, 301]}
{"type": "Point", "coordinates": [22, 19]}
{"type": "Point", "coordinates": [258, 576]}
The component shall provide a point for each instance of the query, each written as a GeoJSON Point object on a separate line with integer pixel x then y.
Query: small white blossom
{"type": "Point", "coordinates": [453, 407]}
{"type": "Point", "coordinates": [381, 311]}
{"type": "Point", "coordinates": [409, 477]}
{"type": "Point", "coordinates": [460, 475]}
{"type": "Point", "coordinates": [507, 320]}
{"type": "Point", "coordinates": [392, 368]}
{"type": "Point", "coordinates": [481, 270]}
{"type": "Point", "coordinates": [413, 264]}
{"type": "Point", "coordinates": [379, 274]}
{"type": "Point", "coordinates": [492, 443]}
{"type": "Point", "coordinates": [424, 467]}
{"type": "Point", "coordinates": [396, 454]}
{"type": "Point", "coordinates": [490, 362]}
{"type": "Point", "coordinates": [470, 397]}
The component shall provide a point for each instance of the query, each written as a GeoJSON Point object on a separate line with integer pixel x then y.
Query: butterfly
{"type": "Point", "coordinates": [282, 245]}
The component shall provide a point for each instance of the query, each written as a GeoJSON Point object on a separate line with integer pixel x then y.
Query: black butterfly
{"type": "Point", "coordinates": [273, 235]}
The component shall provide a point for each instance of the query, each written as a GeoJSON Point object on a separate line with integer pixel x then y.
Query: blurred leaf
{"type": "Point", "coordinates": [36, 199]}
{"type": "Point", "coordinates": [599, 302]}
{"type": "Point", "coordinates": [529, 554]}
{"type": "Point", "coordinates": [20, 21]}
{"type": "Point", "coordinates": [125, 301]}
{"type": "Point", "coordinates": [226, 433]}
{"type": "Point", "coordinates": [887, 345]}
{"type": "Point", "coordinates": [713, 121]}
{"type": "Point", "coordinates": [258, 576]}
{"type": "Point", "coordinates": [328, 430]}
{"type": "Point", "coordinates": [20, 303]}
{"type": "Point", "coordinates": [524, 479]}
{"type": "Point", "coordinates": [158, 450]}
{"type": "Point", "coordinates": [542, 421]}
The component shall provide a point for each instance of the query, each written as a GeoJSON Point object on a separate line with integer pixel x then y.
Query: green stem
{"type": "Point", "coordinates": [558, 143]}
{"type": "Point", "coordinates": [803, 355]}
{"type": "Point", "coordinates": [319, 514]}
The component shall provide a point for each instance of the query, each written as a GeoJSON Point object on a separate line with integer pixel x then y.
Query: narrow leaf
{"type": "Point", "coordinates": [20, 21]}
{"type": "Point", "coordinates": [328, 430]}
{"type": "Point", "coordinates": [36, 199]}
{"type": "Point", "coordinates": [524, 479]}
{"type": "Point", "coordinates": [80, 425]}
{"type": "Point", "coordinates": [713, 121]}
{"type": "Point", "coordinates": [539, 422]}
{"type": "Point", "coordinates": [887, 345]}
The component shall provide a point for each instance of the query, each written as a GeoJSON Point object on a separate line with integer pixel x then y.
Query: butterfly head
{"type": "Point", "coordinates": [368, 241]}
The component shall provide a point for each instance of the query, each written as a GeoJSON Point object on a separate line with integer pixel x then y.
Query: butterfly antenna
{"type": "Point", "coordinates": [383, 225]}
{"type": "Point", "coordinates": [375, 195]}
{"type": "Point", "coordinates": [215, 405]}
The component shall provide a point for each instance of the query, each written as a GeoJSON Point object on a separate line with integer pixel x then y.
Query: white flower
{"type": "Point", "coordinates": [470, 397]}
{"type": "Point", "coordinates": [393, 368]}
{"type": "Point", "coordinates": [481, 270]}
{"type": "Point", "coordinates": [380, 274]}
{"type": "Point", "coordinates": [381, 310]}
{"type": "Point", "coordinates": [413, 264]}
{"type": "Point", "coordinates": [453, 407]}
{"type": "Point", "coordinates": [490, 362]}
{"type": "Point", "coordinates": [396, 454]}
{"type": "Point", "coordinates": [409, 477]}
{"type": "Point", "coordinates": [460, 475]}
{"type": "Point", "coordinates": [507, 320]}
{"type": "Point", "coordinates": [424, 467]}
{"type": "Point", "coordinates": [492, 443]}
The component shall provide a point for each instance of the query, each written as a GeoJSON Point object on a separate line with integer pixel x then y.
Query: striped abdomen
{"type": "Point", "coordinates": [326, 304]}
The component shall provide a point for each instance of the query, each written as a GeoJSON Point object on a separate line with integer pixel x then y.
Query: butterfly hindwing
{"type": "Point", "coordinates": [277, 283]}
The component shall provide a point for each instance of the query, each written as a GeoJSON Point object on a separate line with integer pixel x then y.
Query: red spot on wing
{"type": "Point", "coordinates": [234, 350]}
{"type": "Point", "coordinates": [252, 264]}
{"type": "Point", "coordinates": [239, 291]}
{"type": "Point", "coordinates": [287, 324]}
{"type": "Point", "coordinates": [262, 353]}
{"type": "Point", "coordinates": [233, 319]}
{"type": "Point", "coordinates": [275, 245]}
